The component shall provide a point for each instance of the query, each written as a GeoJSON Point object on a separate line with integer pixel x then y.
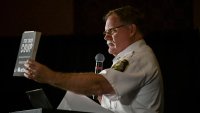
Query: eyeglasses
{"type": "Point", "coordinates": [112, 30]}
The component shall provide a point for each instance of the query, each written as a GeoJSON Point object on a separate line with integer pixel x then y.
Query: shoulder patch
{"type": "Point", "coordinates": [121, 65]}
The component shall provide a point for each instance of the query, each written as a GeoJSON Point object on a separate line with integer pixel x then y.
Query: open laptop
{"type": "Point", "coordinates": [76, 103]}
{"type": "Point", "coordinates": [38, 99]}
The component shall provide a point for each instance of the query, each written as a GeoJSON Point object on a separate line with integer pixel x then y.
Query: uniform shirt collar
{"type": "Point", "coordinates": [131, 48]}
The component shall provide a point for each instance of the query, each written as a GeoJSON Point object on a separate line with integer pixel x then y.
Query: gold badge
{"type": "Point", "coordinates": [120, 65]}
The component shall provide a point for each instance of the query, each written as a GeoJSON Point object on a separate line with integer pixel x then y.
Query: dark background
{"type": "Point", "coordinates": [72, 36]}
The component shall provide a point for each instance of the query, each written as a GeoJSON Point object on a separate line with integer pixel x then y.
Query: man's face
{"type": "Point", "coordinates": [117, 35]}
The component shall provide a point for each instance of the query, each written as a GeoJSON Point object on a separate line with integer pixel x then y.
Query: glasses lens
{"type": "Point", "coordinates": [112, 30]}
{"type": "Point", "coordinates": [109, 31]}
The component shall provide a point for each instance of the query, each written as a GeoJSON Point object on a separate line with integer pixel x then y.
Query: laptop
{"type": "Point", "coordinates": [38, 99]}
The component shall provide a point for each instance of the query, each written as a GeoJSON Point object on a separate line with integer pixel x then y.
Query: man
{"type": "Point", "coordinates": [134, 82]}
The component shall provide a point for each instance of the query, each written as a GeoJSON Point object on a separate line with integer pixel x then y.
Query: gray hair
{"type": "Point", "coordinates": [128, 15]}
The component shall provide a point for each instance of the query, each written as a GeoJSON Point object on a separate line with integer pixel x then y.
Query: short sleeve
{"type": "Point", "coordinates": [123, 82]}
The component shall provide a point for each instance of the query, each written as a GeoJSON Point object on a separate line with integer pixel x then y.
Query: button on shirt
{"type": "Point", "coordinates": [138, 86]}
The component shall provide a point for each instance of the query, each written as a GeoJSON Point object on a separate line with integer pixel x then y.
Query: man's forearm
{"type": "Point", "coordinates": [83, 83]}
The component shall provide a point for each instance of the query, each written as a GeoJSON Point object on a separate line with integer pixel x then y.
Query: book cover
{"type": "Point", "coordinates": [28, 49]}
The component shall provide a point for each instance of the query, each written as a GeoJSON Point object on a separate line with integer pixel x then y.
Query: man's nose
{"type": "Point", "coordinates": [107, 37]}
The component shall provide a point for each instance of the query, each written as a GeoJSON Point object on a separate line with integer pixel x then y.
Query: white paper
{"type": "Point", "coordinates": [76, 102]}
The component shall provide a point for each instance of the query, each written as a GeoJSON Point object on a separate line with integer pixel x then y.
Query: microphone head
{"type": "Point", "coordinates": [99, 57]}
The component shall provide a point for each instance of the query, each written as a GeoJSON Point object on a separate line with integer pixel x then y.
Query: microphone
{"type": "Point", "coordinates": [98, 68]}
{"type": "Point", "coordinates": [99, 62]}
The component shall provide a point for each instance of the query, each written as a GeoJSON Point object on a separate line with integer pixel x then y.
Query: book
{"type": "Point", "coordinates": [27, 50]}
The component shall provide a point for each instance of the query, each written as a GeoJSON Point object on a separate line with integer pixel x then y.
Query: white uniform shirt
{"type": "Point", "coordinates": [139, 88]}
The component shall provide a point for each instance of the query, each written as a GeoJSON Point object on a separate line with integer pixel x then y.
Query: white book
{"type": "Point", "coordinates": [28, 49]}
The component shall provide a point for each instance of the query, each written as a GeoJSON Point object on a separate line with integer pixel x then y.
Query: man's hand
{"type": "Point", "coordinates": [38, 72]}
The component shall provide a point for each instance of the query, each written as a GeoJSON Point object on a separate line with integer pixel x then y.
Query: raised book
{"type": "Point", "coordinates": [27, 50]}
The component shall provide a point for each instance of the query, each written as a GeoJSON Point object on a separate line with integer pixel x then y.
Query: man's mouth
{"type": "Point", "coordinates": [109, 43]}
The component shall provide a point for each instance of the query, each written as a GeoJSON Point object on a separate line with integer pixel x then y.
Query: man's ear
{"type": "Point", "coordinates": [133, 29]}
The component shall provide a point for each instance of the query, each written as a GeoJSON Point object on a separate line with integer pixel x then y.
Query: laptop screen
{"type": "Point", "coordinates": [38, 99]}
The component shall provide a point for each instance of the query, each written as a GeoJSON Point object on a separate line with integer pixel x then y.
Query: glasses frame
{"type": "Point", "coordinates": [113, 30]}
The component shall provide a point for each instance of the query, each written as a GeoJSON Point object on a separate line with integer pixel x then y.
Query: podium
{"type": "Point", "coordinates": [40, 110]}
